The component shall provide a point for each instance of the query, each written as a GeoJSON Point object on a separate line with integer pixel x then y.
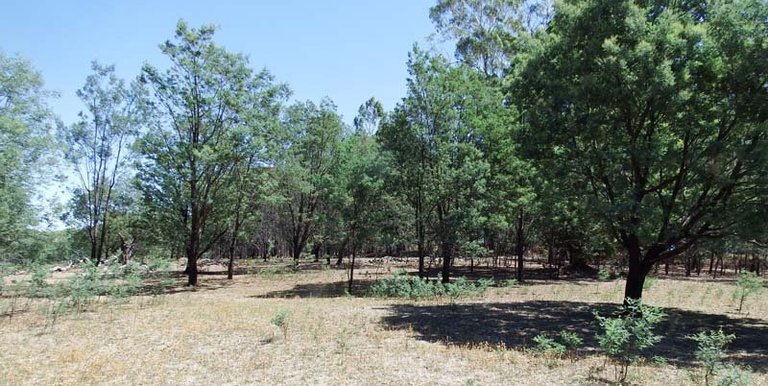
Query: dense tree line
{"type": "Point", "coordinates": [586, 132]}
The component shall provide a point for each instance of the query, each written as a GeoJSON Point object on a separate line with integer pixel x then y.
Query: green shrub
{"type": "Point", "coordinates": [548, 346]}
{"type": "Point", "coordinates": [571, 340]}
{"type": "Point", "coordinates": [603, 274]}
{"type": "Point", "coordinates": [710, 350]}
{"type": "Point", "coordinates": [649, 282]}
{"type": "Point", "coordinates": [747, 284]}
{"type": "Point", "coordinates": [271, 272]}
{"type": "Point", "coordinates": [38, 281]}
{"type": "Point", "coordinates": [280, 320]}
{"type": "Point", "coordinates": [734, 376]}
{"type": "Point", "coordinates": [510, 283]}
{"type": "Point", "coordinates": [567, 343]}
{"type": "Point", "coordinates": [623, 338]}
{"type": "Point", "coordinates": [401, 285]}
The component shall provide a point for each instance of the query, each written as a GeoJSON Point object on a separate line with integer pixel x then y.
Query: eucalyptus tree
{"type": "Point", "coordinates": [26, 123]}
{"type": "Point", "coordinates": [98, 146]}
{"type": "Point", "coordinates": [203, 108]}
{"type": "Point", "coordinates": [659, 107]}
{"type": "Point", "coordinates": [433, 138]}
{"type": "Point", "coordinates": [485, 30]}
{"type": "Point", "coordinates": [304, 167]}
{"type": "Point", "coordinates": [369, 117]}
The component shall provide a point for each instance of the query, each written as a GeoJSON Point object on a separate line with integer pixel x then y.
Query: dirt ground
{"type": "Point", "coordinates": [221, 333]}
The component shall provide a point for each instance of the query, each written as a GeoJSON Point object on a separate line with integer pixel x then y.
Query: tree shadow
{"type": "Point", "coordinates": [173, 283]}
{"type": "Point", "coordinates": [516, 324]}
{"type": "Point", "coordinates": [320, 290]}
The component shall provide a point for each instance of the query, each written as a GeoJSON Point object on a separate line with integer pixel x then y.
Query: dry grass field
{"type": "Point", "coordinates": [222, 334]}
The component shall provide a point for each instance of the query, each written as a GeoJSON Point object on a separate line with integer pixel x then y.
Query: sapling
{"type": "Point", "coordinates": [710, 350]}
{"type": "Point", "coordinates": [623, 338]}
{"type": "Point", "coordinates": [280, 320]}
{"type": "Point", "coordinates": [747, 284]}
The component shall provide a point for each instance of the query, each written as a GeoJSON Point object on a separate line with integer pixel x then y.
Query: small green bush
{"type": "Point", "coordinates": [649, 282]}
{"type": "Point", "coordinates": [747, 284]}
{"type": "Point", "coordinates": [280, 320]}
{"type": "Point", "coordinates": [710, 350]}
{"type": "Point", "coordinates": [623, 338]}
{"type": "Point", "coordinates": [38, 282]}
{"type": "Point", "coordinates": [734, 376]}
{"type": "Point", "coordinates": [401, 285]}
{"type": "Point", "coordinates": [571, 340]}
{"type": "Point", "coordinates": [549, 347]}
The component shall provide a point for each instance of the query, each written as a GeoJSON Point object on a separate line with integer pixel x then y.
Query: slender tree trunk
{"type": "Point", "coordinates": [193, 245]}
{"type": "Point", "coordinates": [447, 254]}
{"type": "Point", "coordinates": [351, 270]}
{"type": "Point", "coordinates": [520, 248]}
{"type": "Point", "coordinates": [340, 254]}
{"type": "Point", "coordinates": [420, 236]}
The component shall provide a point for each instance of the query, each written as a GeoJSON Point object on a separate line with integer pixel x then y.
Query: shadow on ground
{"type": "Point", "coordinates": [515, 325]}
{"type": "Point", "coordinates": [320, 290]}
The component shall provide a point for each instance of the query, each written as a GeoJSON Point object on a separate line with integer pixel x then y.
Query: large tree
{"type": "Point", "coordinates": [203, 111]}
{"type": "Point", "coordinates": [25, 128]}
{"type": "Point", "coordinates": [485, 30]}
{"type": "Point", "coordinates": [434, 139]}
{"type": "Point", "coordinates": [97, 147]}
{"type": "Point", "coordinates": [305, 166]}
{"type": "Point", "coordinates": [656, 111]}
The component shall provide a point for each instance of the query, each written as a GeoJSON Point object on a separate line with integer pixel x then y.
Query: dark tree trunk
{"type": "Point", "coordinates": [520, 247]}
{"type": "Point", "coordinates": [447, 254]}
{"type": "Point", "coordinates": [192, 263]}
{"type": "Point", "coordinates": [421, 259]}
{"type": "Point", "coordinates": [340, 254]}
{"type": "Point", "coordinates": [639, 266]}
{"type": "Point", "coordinates": [351, 271]}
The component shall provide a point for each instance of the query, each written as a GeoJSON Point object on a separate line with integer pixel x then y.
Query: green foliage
{"type": "Point", "coordinates": [207, 112]}
{"type": "Point", "coordinates": [571, 340]}
{"type": "Point", "coordinates": [747, 284]}
{"type": "Point", "coordinates": [566, 343]}
{"type": "Point", "coordinates": [25, 141]}
{"type": "Point", "coordinates": [732, 375]}
{"type": "Point", "coordinates": [272, 272]}
{"type": "Point", "coordinates": [603, 274]}
{"type": "Point", "coordinates": [510, 283]}
{"type": "Point", "coordinates": [97, 148]}
{"type": "Point", "coordinates": [548, 346]}
{"type": "Point", "coordinates": [281, 321]}
{"type": "Point", "coordinates": [631, 117]}
{"type": "Point", "coordinates": [710, 350]}
{"type": "Point", "coordinates": [623, 338]}
{"type": "Point", "coordinates": [402, 285]}
{"type": "Point", "coordinates": [649, 282]}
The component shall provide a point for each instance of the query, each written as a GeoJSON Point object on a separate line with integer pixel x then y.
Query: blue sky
{"type": "Point", "coordinates": [348, 50]}
{"type": "Point", "coordinates": [345, 49]}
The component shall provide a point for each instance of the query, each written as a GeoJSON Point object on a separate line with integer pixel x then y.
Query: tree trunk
{"type": "Point", "coordinates": [520, 248]}
{"type": "Point", "coordinates": [351, 271]}
{"type": "Point", "coordinates": [192, 261]}
{"type": "Point", "coordinates": [340, 255]}
{"type": "Point", "coordinates": [447, 254]}
{"type": "Point", "coordinates": [193, 247]}
{"type": "Point", "coordinates": [638, 269]}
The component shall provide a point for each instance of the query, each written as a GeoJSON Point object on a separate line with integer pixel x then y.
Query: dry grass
{"type": "Point", "coordinates": [221, 334]}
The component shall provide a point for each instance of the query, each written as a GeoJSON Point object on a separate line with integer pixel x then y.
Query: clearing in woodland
{"type": "Point", "coordinates": [274, 325]}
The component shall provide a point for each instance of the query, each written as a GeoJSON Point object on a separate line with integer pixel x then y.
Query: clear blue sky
{"type": "Point", "coordinates": [348, 50]}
